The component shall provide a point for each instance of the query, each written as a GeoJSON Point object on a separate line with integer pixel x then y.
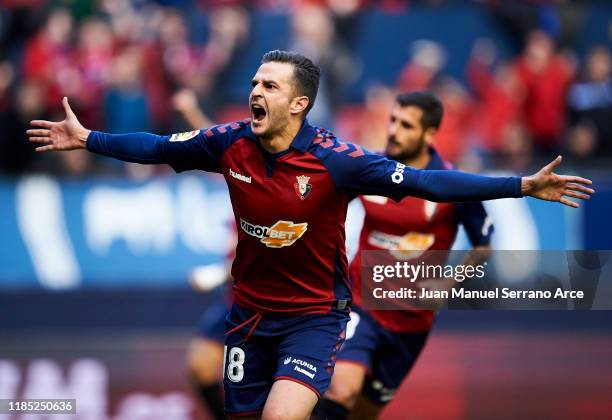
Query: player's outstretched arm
{"type": "Point", "coordinates": [449, 186]}
{"type": "Point", "coordinates": [198, 149]}
{"type": "Point", "coordinates": [68, 134]}
{"type": "Point", "coordinates": [547, 185]}
{"type": "Point", "coordinates": [365, 173]}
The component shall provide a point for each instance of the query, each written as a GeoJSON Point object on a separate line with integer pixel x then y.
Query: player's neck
{"type": "Point", "coordinates": [420, 161]}
{"type": "Point", "coordinates": [280, 141]}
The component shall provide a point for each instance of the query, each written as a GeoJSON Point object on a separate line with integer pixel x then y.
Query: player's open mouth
{"type": "Point", "coordinates": [258, 112]}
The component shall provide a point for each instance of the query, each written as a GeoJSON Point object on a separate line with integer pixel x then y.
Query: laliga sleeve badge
{"type": "Point", "coordinates": [184, 136]}
{"type": "Point", "coordinates": [302, 187]}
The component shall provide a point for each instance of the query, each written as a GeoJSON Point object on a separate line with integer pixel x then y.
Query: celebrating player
{"type": "Point", "coordinates": [382, 346]}
{"type": "Point", "coordinates": [290, 184]}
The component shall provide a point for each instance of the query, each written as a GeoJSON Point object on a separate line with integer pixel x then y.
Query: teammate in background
{"type": "Point", "coordinates": [382, 346]}
{"type": "Point", "coordinates": [290, 184]}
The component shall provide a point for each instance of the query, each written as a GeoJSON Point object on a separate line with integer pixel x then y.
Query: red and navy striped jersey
{"type": "Point", "coordinates": [415, 224]}
{"type": "Point", "coordinates": [290, 207]}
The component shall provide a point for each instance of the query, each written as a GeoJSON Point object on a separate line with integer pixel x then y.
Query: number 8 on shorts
{"type": "Point", "coordinates": [235, 367]}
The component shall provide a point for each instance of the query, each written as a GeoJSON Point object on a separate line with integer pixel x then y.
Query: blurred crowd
{"type": "Point", "coordinates": [163, 66]}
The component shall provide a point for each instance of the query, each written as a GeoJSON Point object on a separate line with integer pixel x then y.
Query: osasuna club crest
{"type": "Point", "coordinates": [302, 187]}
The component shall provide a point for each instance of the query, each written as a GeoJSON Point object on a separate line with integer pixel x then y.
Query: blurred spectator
{"type": "Point", "coordinates": [126, 104]}
{"type": "Point", "coordinates": [230, 27]}
{"type": "Point", "coordinates": [128, 23]}
{"type": "Point", "coordinates": [545, 76]}
{"type": "Point", "coordinates": [47, 58]}
{"type": "Point", "coordinates": [173, 62]}
{"type": "Point", "coordinates": [590, 101]}
{"type": "Point", "coordinates": [17, 155]}
{"type": "Point", "coordinates": [581, 140]}
{"type": "Point", "coordinates": [185, 102]}
{"type": "Point", "coordinates": [560, 19]}
{"type": "Point", "coordinates": [421, 72]}
{"type": "Point", "coordinates": [19, 20]}
{"type": "Point", "coordinates": [7, 77]}
{"type": "Point", "coordinates": [348, 20]}
{"type": "Point", "coordinates": [314, 35]}
{"type": "Point", "coordinates": [127, 65]}
{"type": "Point", "coordinates": [367, 125]}
{"type": "Point", "coordinates": [516, 148]}
{"type": "Point", "coordinates": [94, 54]}
{"type": "Point", "coordinates": [458, 115]}
{"type": "Point", "coordinates": [500, 97]}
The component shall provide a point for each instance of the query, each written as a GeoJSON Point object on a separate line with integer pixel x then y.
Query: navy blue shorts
{"type": "Point", "coordinates": [298, 348]}
{"type": "Point", "coordinates": [212, 321]}
{"type": "Point", "coordinates": [388, 356]}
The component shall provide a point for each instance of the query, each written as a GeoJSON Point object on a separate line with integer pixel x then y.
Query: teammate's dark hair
{"type": "Point", "coordinates": [306, 73]}
{"type": "Point", "coordinates": [426, 102]}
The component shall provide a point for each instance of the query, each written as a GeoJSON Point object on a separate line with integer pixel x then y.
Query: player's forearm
{"type": "Point", "coordinates": [197, 119]}
{"type": "Point", "coordinates": [456, 186]}
{"type": "Point", "coordinates": [131, 147]}
{"type": "Point", "coordinates": [478, 255]}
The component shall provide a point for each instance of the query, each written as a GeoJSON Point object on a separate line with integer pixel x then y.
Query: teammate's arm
{"type": "Point", "coordinates": [182, 151]}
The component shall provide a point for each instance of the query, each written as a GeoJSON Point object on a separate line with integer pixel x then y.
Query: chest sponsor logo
{"type": "Point", "coordinates": [282, 233]}
{"type": "Point", "coordinates": [405, 247]}
{"type": "Point", "coordinates": [240, 177]}
{"type": "Point", "coordinates": [302, 187]}
{"type": "Point", "coordinates": [184, 136]}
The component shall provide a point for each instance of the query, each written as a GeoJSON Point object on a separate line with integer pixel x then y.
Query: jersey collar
{"type": "Point", "coordinates": [302, 140]}
{"type": "Point", "coordinates": [304, 137]}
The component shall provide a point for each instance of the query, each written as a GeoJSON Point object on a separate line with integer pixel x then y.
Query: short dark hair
{"type": "Point", "coordinates": [306, 73]}
{"type": "Point", "coordinates": [428, 103]}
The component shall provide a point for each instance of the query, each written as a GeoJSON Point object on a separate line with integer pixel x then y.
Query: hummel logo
{"type": "Point", "coordinates": [240, 177]}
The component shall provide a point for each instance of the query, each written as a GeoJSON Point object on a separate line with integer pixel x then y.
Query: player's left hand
{"type": "Point", "coordinates": [549, 186]}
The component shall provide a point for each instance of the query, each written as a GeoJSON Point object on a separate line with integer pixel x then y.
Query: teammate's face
{"type": "Point", "coordinates": [406, 137]}
{"type": "Point", "coordinates": [271, 98]}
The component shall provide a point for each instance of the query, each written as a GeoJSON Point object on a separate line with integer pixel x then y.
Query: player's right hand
{"type": "Point", "coordinates": [68, 134]}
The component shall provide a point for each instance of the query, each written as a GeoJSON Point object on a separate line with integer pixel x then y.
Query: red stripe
{"type": "Point", "coordinates": [209, 133]}
{"type": "Point", "coordinates": [327, 143]}
{"type": "Point", "coordinates": [221, 129]}
{"type": "Point", "coordinates": [343, 146]}
{"type": "Point", "coordinates": [289, 378]}
{"type": "Point", "coordinates": [358, 152]}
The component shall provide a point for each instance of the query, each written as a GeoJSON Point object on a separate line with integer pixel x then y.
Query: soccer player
{"type": "Point", "coordinates": [382, 346]}
{"type": "Point", "coordinates": [290, 184]}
